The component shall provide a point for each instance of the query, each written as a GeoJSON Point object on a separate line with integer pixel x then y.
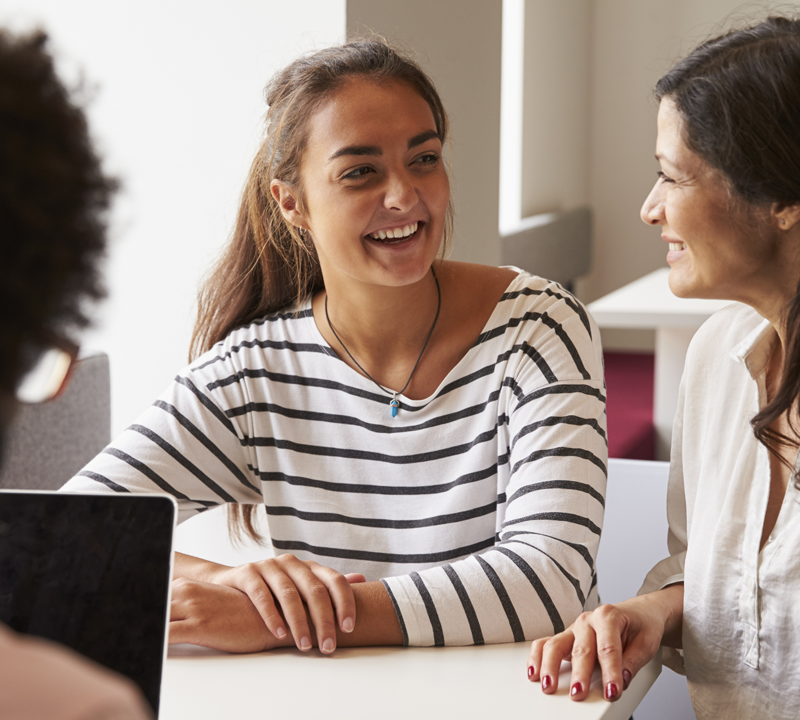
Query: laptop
{"type": "Point", "coordinates": [92, 572]}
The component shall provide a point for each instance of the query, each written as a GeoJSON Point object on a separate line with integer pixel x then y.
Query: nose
{"type": "Point", "coordinates": [652, 212]}
{"type": "Point", "coordinates": [401, 192]}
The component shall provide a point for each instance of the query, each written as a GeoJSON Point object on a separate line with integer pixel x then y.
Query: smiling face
{"type": "Point", "coordinates": [375, 189]}
{"type": "Point", "coordinates": [714, 250]}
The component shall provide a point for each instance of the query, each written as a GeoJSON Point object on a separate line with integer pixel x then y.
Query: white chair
{"type": "Point", "coordinates": [634, 539]}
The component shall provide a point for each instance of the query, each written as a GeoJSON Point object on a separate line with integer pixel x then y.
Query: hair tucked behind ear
{"type": "Point", "coordinates": [268, 265]}
{"type": "Point", "coordinates": [739, 96]}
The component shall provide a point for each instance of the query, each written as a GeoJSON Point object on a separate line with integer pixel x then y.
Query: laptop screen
{"type": "Point", "coordinates": [91, 572]}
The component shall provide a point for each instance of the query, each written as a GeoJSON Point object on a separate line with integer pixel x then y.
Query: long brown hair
{"type": "Point", "coordinates": [268, 265]}
{"type": "Point", "coordinates": [739, 97]}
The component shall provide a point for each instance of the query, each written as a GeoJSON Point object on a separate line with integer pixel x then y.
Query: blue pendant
{"type": "Point", "coordinates": [394, 405]}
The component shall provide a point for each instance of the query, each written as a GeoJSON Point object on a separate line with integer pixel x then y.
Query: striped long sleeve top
{"type": "Point", "coordinates": [479, 507]}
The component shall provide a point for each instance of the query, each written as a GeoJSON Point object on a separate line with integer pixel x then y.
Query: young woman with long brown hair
{"type": "Point", "coordinates": [728, 203]}
{"type": "Point", "coordinates": [427, 437]}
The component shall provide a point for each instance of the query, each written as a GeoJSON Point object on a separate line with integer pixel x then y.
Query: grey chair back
{"type": "Point", "coordinates": [45, 445]}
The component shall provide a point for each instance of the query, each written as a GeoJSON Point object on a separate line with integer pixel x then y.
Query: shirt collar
{"type": "Point", "coordinates": [755, 350]}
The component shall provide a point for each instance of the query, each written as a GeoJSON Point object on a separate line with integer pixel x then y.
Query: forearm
{"type": "Point", "coordinates": [660, 609]}
{"type": "Point", "coordinates": [189, 567]}
{"type": "Point", "coordinates": [670, 603]}
{"type": "Point", "coordinates": [376, 620]}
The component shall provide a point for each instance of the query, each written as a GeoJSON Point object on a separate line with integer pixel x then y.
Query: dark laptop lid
{"type": "Point", "coordinates": [91, 572]}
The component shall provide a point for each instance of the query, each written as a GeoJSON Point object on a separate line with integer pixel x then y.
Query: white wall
{"type": "Point", "coordinates": [556, 105]}
{"type": "Point", "coordinates": [177, 104]}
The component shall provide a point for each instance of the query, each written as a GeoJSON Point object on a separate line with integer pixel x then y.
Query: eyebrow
{"type": "Point", "coordinates": [374, 150]}
{"type": "Point", "coordinates": [357, 150]}
{"type": "Point", "coordinates": [423, 137]}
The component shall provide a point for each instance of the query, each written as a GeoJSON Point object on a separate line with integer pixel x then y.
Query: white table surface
{"type": "Point", "coordinates": [408, 683]}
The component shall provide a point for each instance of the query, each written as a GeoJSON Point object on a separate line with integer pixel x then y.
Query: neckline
{"type": "Point", "coordinates": [447, 378]}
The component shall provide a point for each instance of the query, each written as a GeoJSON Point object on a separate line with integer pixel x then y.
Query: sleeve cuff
{"type": "Point", "coordinates": [411, 611]}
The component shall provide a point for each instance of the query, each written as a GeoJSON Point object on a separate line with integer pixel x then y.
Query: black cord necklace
{"type": "Point", "coordinates": [393, 404]}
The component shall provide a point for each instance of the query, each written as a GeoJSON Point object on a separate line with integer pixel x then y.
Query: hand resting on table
{"type": "Point", "coordinates": [622, 638]}
{"type": "Point", "coordinates": [247, 608]}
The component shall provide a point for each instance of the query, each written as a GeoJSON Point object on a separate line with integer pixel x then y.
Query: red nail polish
{"type": "Point", "coordinates": [546, 682]}
{"type": "Point", "coordinates": [626, 679]}
{"type": "Point", "coordinates": [576, 688]}
{"type": "Point", "coordinates": [611, 691]}
{"type": "Point", "coordinates": [531, 670]}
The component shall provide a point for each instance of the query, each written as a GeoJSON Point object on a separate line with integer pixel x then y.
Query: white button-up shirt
{"type": "Point", "coordinates": [741, 620]}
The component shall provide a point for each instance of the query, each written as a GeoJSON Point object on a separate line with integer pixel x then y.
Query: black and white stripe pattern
{"type": "Point", "coordinates": [479, 507]}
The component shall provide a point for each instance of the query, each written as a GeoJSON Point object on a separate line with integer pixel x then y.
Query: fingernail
{"type": "Point", "coordinates": [328, 646]}
{"type": "Point", "coordinates": [626, 679]}
{"type": "Point", "coordinates": [347, 625]}
{"type": "Point", "coordinates": [280, 633]}
{"type": "Point", "coordinates": [305, 643]}
{"type": "Point", "coordinates": [576, 688]}
{"type": "Point", "coordinates": [611, 691]}
{"type": "Point", "coordinates": [546, 682]}
{"type": "Point", "coordinates": [530, 671]}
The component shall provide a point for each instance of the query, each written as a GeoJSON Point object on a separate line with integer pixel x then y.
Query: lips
{"type": "Point", "coordinates": [676, 250]}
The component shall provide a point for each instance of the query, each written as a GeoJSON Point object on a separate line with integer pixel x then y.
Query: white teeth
{"type": "Point", "coordinates": [677, 246]}
{"type": "Point", "coordinates": [395, 233]}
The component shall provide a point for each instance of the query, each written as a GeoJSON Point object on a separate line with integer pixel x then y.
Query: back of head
{"type": "Point", "coordinates": [53, 198]}
{"type": "Point", "coordinates": [739, 96]}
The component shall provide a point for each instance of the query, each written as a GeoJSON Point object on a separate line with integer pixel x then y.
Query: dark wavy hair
{"type": "Point", "coordinates": [54, 199]}
{"type": "Point", "coordinates": [739, 97]}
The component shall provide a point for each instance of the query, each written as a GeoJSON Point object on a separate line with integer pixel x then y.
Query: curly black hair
{"type": "Point", "coordinates": [54, 199]}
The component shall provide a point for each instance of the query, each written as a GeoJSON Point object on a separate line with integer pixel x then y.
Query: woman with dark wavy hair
{"type": "Point", "coordinates": [728, 201]}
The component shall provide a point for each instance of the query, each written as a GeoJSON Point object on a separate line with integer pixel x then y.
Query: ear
{"type": "Point", "coordinates": [286, 198]}
{"type": "Point", "coordinates": [786, 215]}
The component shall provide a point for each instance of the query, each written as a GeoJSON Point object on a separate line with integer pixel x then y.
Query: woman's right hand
{"type": "Point", "coordinates": [622, 638]}
{"type": "Point", "coordinates": [288, 591]}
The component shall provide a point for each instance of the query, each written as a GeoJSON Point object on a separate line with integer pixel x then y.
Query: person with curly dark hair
{"type": "Point", "coordinates": [54, 198]}
{"type": "Point", "coordinates": [53, 202]}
